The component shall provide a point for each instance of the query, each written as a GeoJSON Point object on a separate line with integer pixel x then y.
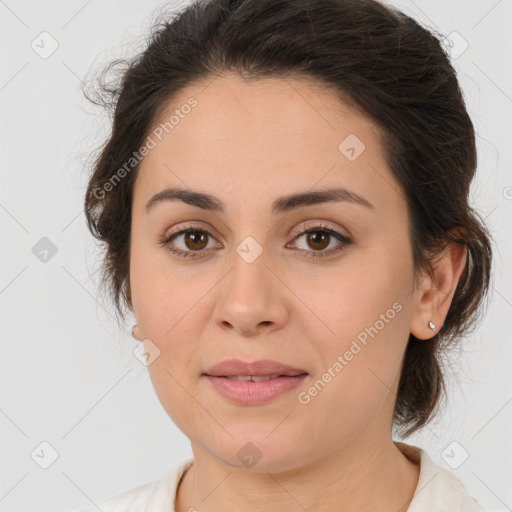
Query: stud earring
{"type": "Point", "coordinates": [432, 325]}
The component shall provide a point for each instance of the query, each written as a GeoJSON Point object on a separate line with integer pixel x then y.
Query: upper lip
{"type": "Point", "coordinates": [261, 368]}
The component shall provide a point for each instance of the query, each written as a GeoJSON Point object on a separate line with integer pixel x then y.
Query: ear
{"type": "Point", "coordinates": [136, 332]}
{"type": "Point", "coordinates": [435, 293]}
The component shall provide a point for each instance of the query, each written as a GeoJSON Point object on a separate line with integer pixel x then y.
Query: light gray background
{"type": "Point", "coordinates": [69, 377]}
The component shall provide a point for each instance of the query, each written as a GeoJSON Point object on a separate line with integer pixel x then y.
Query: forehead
{"type": "Point", "coordinates": [276, 133]}
{"type": "Point", "coordinates": [234, 106]}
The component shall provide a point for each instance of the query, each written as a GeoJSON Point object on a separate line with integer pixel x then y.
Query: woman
{"type": "Point", "coordinates": [284, 205]}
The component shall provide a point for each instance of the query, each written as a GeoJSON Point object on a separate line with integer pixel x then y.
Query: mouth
{"type": "Point", "coordinates": [237, 369]}
{"type": "Point", "coordinates": [248, 390]}
{"type": "Point", "coordinates": [253, 378]}
{"type": "Point", "coordinates": [253, 383]}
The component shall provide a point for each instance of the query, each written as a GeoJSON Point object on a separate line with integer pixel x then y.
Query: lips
{"type": "Point", "coordinates": [253, 384]}
{"type": "Point", "coordinates": [236, 369]}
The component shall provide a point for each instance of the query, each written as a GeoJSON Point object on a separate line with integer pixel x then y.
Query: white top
{"type": "Point", "coordinates": [438, 490]}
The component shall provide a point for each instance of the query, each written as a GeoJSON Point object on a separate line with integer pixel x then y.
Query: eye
{"type": "Point", "coordinates": [193, 240]}
{"type": "Point", "coordinates": [320, 237]}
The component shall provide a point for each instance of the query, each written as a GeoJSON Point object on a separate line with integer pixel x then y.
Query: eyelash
{"type": "Point", "coordinates": [164, 240]}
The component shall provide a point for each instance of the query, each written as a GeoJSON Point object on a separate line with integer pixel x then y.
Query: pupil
{"type": "Point", "coordinates": [192, 235]}
{"type": "Point", "coordinates": [317, 237]}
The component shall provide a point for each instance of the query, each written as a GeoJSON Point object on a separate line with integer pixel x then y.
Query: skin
{"type": "Point", "coordinates": [248, 143]}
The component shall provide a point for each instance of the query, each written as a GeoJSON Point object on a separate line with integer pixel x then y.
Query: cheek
{"type": "Point", "coordinates": [368, 327]}
{"type": "Point", "coordinates": [353, 299]}
{"type": "Point", "coordinates": [170, 307]}
{"type": "Point", "coordinates": [161, 294]}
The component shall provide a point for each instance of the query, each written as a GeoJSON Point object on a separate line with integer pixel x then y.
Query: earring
{"type": "Point", "coordinates": [432, 325]}
{"type": "Point", "coordinates": [135, 328]}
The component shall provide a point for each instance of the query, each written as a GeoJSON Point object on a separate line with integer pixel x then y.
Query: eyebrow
{"type": "Point", "coordinates": [282, 204]}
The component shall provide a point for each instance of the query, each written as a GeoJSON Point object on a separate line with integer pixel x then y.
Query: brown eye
{"type": "Point", "coordinates": [192, 242]}
{"type": "Point", "coordinates": [318, 240]}
{"type": "Point", "coordinates": [195, 240]}
{"type": "Point", "coordinates": [189, 242]}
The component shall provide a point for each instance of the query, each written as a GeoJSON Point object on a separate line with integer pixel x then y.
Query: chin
{"type": "Point", "coordinates": [260, 453]}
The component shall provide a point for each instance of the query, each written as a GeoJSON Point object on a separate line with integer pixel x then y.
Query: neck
{"type": "Point", "coordinates": [377, 477]}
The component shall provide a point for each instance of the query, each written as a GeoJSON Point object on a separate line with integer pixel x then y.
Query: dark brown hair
{"type": "Point", "coordinates": [377, 58]}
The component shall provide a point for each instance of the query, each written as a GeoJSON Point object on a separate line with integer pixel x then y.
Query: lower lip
{"type": "Point", "coordinates": [246, 392]}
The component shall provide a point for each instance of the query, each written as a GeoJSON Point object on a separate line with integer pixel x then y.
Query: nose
{"type": "Point", "coordinates": [252, 298]}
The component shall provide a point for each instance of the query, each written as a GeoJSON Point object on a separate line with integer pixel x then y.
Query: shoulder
{"type": "Point", "coordinates": [157, 496]}
{"type": "Point", "coordinates": [438, 489]}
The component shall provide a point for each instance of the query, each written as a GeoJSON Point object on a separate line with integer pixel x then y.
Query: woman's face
{"type": "Point", "coordinates": [252, 284]}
